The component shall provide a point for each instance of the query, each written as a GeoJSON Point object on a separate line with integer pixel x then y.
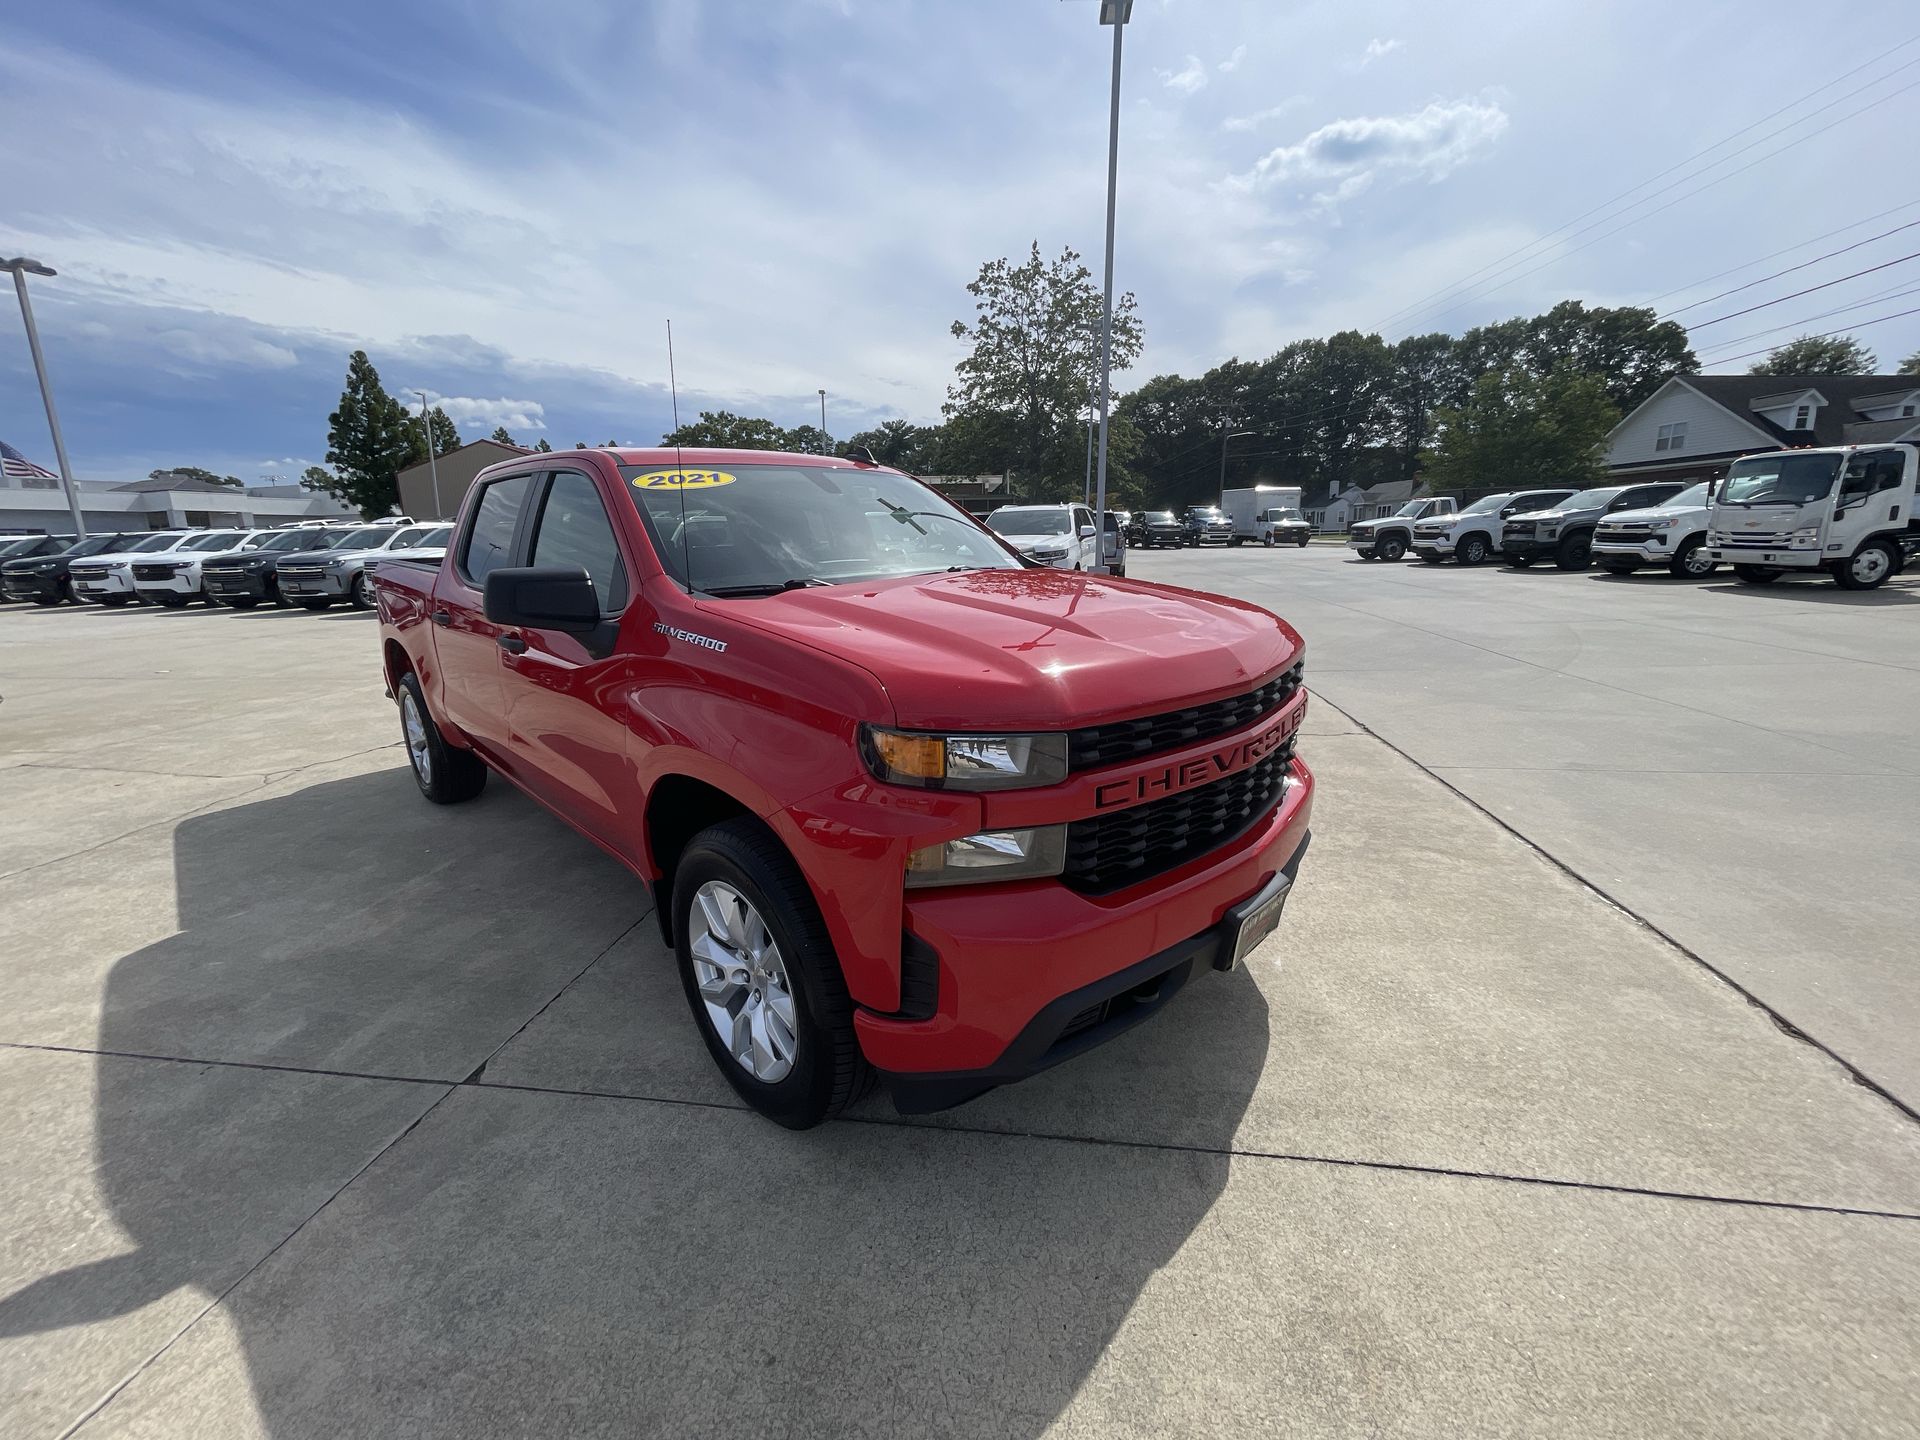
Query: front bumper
{"type": "Point", "coordinates": [184, 583]}
{"type": "Point", "coordinates": [1021, 968]}
{"type": "Point", "coordinates": [328, 586]}
{"type": "Point", "coordinates": [1529, 547]}
{"type": "Point", "coordinates": [1649, 549]}
{"type": "Point", "coordinates": [37, 585]}
{"type": "Point", "coordinates": [235, 584]}
{"type": "Point", "coordinates": [115, 582]}
{"type": "Point", "coordinates": [1777, 558]}
{"type": "Point", "coordinates": [1432, 544]}
{"type": "Point", "coordinates": [1361, 541]}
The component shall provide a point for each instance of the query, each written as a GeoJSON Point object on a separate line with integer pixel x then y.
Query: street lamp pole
{"type": "Point", "coordinates": [1235, 435]}
{"type": "Point", "coordinates": [1115, 13]}
{"type": "Point", "coordinates": [823, 417]}
{"type": "Point", "coordinates": [433, 463]}
{"type": "Point", "coordinates": [21, 268]}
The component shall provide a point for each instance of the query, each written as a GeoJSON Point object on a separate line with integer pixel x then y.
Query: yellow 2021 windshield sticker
{"type": "Point", "coordinates": [681, 479]}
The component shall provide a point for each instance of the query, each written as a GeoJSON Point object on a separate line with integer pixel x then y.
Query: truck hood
{"type": "Point", "coordinates": [1658, 512]}
{"type": "Point", "coordinates": [1768, 515]}
{"type": "Point", "coordinates": [1031, 649]}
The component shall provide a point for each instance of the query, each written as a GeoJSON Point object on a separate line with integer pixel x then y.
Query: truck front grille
{"type": "Point", "coordinates": [1109, 852]}
{"type": "Point", "coordinates": [153, 572]}
{"type": "Point", "coordinates": [1110, 744]}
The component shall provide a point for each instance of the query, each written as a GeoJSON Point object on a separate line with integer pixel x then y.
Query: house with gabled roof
{"type": "Point", "coordinates": [1694, 426]}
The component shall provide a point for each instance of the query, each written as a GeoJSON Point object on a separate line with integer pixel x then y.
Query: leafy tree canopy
{"type": "Point", "coordinates": [1819, 355]}
{"type": "Point", "coordinates": [1519, 429]}
{"type": "Point", "coordinates": [500, 434]}
{"type": "Point", "coordinates": [369, 441]}
{"type": "Point", "coordinates": [194, 472]}
{"type": "Point", "coordinates": [542, 447]}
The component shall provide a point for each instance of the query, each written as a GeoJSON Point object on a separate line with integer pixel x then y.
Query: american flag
{"type": "Point", "coordinates": [19, 467]}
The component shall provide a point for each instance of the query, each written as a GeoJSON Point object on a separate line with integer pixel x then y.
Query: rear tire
{"type": "Point", "coordinates": [824, 1071]}
{"type": "Point", "coordinates": [1267, 540]}
{"type": "Point", "coordinates": [1755, 574]}
{"type": "Point", "coordinates": [1871, 567]}
{"type": "Point", "coordinates": [445, 775]}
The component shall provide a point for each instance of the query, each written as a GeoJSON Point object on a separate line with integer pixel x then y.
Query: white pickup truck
{"type": "Point", "coordinates": [1846, 509]}
{"type": "Point", "coordinates": [1672, 534]}
{"type": "Point", "coordinates": [1472, 536]}
{"type": "Point", "coordinates": [1391, 536]}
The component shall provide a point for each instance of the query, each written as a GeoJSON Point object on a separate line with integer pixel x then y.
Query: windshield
{"type": "Point", "coordinates": [287, 540]}
{"type": "Point", "coordinates": [759, 529]}
{"type": "Point", "coordinates": [1584, 500]}
{"type": "Point", "coordinates": [219, 540]}
{"type": "Point", "coordinates": [153, 543]}
{"type": "Point", "coordinates": [1486, 503]}
{"type": "Point", "coordinates": [1693, 497]}
{"type": "Point", "coordinates": [1030, 522]}
{"type": "Point", "coordinates": [1159, 517]}
{"type": "Point", "coordinates": [1780, 479]}
{"type": "Point", "coordinates": [95, 545]}
{"type": "Point", "coordinates": [1412, 507]}
{"type": "Point", "coordinates": [1206, 512]}
{"type": "Point", "coordinates": [358, 539]}
{"type": "Point", "coordinates": [19, 545]}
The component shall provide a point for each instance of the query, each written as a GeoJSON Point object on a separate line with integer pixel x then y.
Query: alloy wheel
{"type": "Point", "coordinates": [743, 982]}
{"type": "Point", "coordinates": [419, 754]}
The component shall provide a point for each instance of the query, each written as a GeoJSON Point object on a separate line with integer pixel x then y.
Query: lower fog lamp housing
{"type": "Point", "coordinates": [991, 855]}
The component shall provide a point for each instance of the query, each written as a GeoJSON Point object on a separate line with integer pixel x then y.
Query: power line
{"type": "Point", "coordinates": [1823, 335]}
{"type": "Point", "coordinates": [1788, 271]}
{"type": "Point", "coordinates": [1893, 292]}
{"type": "Point", "coordinates": [1776, 254]}
{"type": "Point", "coordinates": [1827, 285]}
{"type": "Point", "coordinates": [1605, 204]}
{"type": "Point", "coordinates": [1678, 199]}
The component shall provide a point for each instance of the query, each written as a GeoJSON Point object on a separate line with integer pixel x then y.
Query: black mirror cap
{"type": "Point", "coordinates": [543, 597]}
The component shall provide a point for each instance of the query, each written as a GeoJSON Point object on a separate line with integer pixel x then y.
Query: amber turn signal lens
{"type": "Point", "coordinates": [919, 757]}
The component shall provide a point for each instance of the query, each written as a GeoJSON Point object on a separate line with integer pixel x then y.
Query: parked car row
{"type": "Point", "coordinates": [311, 565]}
{"type": "Point", "coordinates": [1845, 510]}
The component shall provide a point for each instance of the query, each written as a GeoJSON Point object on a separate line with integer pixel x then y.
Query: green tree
{"type": "Point", "coordinates": [1910, 365]}
{"type": "Point", "coordinates": [194, 472]}
{"type": "Point", "coordinates": [807, 440]}
{"type": "Point", "coordinates": [1033, 359]}
{"type": "Point", "coordinates": [1818, 355]}
{"type": "Point", "coordinates": [898, 443]}
{"type": "Point", "coordinates": [727, 431]}
{"type": "Point", "coordinates": [369, 441]}
{"type": "Point", "coordinates": [314, 478]}
{"type": "Point", "coordinates": [1631, 352]}
{"type": "Point", "coordinates": [1519, 429]}
{"type": "Point", "coordinates": [446, 435]}
{"type": "Point", "coordinates": [500, 434]}
{"type": "Point", "coordinates": [542, 447]}
{"type": "Point", "coordinates": [1423, 375]}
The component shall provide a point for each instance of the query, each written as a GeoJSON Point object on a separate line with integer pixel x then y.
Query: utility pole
{"type": "Point", "coordinates": [433, 463]}
{"type": "Point", "coordinates": [21, 268]}
{"type": "Point", "coordinates": [823, 418]}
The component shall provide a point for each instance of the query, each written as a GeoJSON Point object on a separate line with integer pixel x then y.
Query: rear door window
{"type": "Point", "coordinates": [489, 542]}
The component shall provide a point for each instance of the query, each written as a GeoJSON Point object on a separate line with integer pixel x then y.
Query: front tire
{"type": "Point", "coordinates": [446, 776]}
{"type": "Point", "coordinates": [1692, 562]}
{"type": "Point", "coordinates": [1472, 551]}
{"type": "Point", "coordinates": [1755, 574]}
{"type": "Point", "coordinates": [1871, 567]}
{"type": "Point", "coordinates": [762, 979]}
{"type": "Point", "coordinates": [1390, 548]}
{"type": "Point", "coordinates": [1575, 553]}
{"type": "Point", "coordinates": [363, 591]}
{"type": "Point", "coordinates": [1267, 540]}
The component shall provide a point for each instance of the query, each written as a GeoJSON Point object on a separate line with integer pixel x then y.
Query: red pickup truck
{"type": "Point", "coordinates": [909, 806]}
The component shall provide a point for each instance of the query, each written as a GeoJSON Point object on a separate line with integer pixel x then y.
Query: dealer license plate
{"type": "Point", "coordinates": [1253, 919]}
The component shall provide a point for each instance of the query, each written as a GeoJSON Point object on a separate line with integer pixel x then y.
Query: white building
{"type": "Point", "coordinates": [36, 506]}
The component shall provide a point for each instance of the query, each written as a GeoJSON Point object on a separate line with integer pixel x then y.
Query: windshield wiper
{"type": "Point", "coordinates": [773, 587]}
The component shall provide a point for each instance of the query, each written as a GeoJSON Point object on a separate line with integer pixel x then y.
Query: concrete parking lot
{"type": "Point", "coordinates": [329, 1112]}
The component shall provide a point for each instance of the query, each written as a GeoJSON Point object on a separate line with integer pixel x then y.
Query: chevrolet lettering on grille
{"type": "Point", "coordinates": [1171, 779]}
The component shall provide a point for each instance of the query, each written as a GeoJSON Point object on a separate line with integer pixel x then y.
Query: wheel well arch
{"type": "Point", "coordinates": [397, 661]}
{"type": "Point", "coordinates": [679, 807]}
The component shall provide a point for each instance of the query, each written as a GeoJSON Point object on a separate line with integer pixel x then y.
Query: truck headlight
{"type": "Point", "coordinates": [1666, 524]}
{"type": "Point", "coordinates": [990, 855]}
{"type": "Point", "coordinates": [1805, 539]}
{"type": "Point", "coordinates": [965, 762]}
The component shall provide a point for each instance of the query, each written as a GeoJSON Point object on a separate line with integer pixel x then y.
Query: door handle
{"type": "Point", "coordinates": [442, 617]}
{"type": "Point", "coordinates": [512, 644]}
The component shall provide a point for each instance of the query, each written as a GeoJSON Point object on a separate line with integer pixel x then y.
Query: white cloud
{"type": "Point", "coordinates": [1261, 117]}
{"type": "Point", "coordinates": [1427, 144]}
{"type": "Point", "coordinates": [203, 348]}
{"type": "Point", "coordinates": [1188, 80]}
{"type": "Point", "coordinates": [1232, 62]}
{"type": "Point", "coordinates": [1376, 50]}
{"type": "Point", "coordinates": [470, 413]}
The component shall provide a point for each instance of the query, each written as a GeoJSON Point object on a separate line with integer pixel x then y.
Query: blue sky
{"type": "Point", "coordinates": [503, 200]}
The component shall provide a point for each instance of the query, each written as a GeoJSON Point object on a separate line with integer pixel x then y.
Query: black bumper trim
{"type": "Point", "coordinates": [1124, 1000]}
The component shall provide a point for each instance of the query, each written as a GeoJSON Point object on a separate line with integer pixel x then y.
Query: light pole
{"type": "Point", "coordinates": [1235, 435]}
{"type": "Point", "coordinates": [21, 268]}
{"type": "Point", "coordinates": [823, 417]}
{"type": "Point", "coordinates": [1115, 13]}
{"type": "Point", "coordinates": [433, 463]}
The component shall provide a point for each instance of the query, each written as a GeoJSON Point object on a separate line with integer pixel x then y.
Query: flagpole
{"type": "Point", "coordinates": [20, 268]}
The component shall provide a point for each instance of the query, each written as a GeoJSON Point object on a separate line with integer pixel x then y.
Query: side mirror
{"type": "Point", "coordinates": [1086, 532]}
{"type": "Point", "coordinates": [543, 597]}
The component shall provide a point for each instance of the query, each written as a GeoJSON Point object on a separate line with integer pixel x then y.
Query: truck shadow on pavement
{"type": "Point", "coordinates": [530, 1258]}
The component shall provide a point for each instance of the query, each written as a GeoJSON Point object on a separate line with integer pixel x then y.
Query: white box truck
{"type": "Point", "coordinates": [1266, 515]}
{"type": "Point", "coordinates": [1845, 509]}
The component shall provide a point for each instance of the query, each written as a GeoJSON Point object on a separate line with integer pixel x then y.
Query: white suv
{"type": "Point", "coordinates": [108, 579]}
{"type": "Point", "coordinates": [173, 579]}
{"type": "Point", "coordinates": [1472, 537]}
{"type": "Point", "coordinates": [1058, 535]}
{"type": "Point", "coordinates": [1673, 534]}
